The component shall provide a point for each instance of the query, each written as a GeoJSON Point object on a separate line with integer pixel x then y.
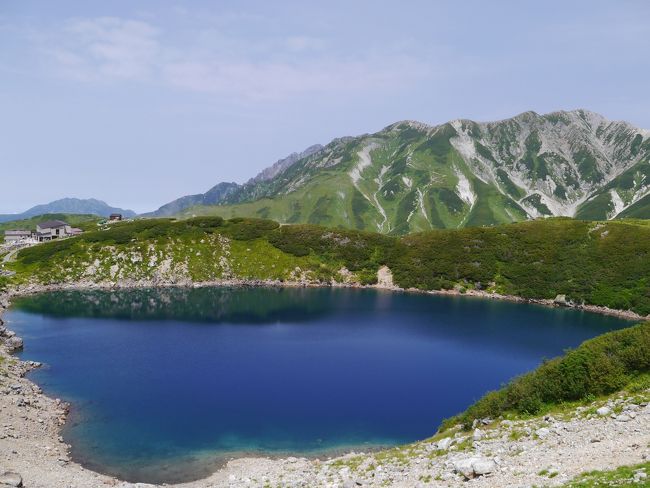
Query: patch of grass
{"type": "Point", "coordinates": [516, 434]}
{"type": "Point", "coordinates": [621, 477]}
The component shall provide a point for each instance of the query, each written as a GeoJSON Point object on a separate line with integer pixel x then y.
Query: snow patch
{"type": "Point", "coordinates": [364, 162]}
{"type": "Point", "coordinates": [618, 203]}
{"type": "Point", "coordinates": [421, 205]}
{"type": "Point", "coordinates": [464, 188]}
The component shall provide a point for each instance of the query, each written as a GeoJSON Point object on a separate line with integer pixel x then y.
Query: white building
{"type": "Point", "coordinates": [52, 229]}
{"type": "Point", "coordinates": [12, 236]}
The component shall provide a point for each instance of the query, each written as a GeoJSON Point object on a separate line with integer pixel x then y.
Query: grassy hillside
{"type": "Point", "coordinates": [86, 222]}
{"type": "Point", "coordinates": [604, 264]}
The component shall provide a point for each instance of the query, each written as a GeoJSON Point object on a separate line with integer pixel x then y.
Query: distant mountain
{"type": "Point", "coordinates": [283, 164]}
{"type": "Point", "coordinates": [222, 191]}
{"type": "Point", "coordinates": [214, 196]}
{"type": "Point", "coordinates": [412, 176]}
{"type": "Point", "coordinates": [69, 206]}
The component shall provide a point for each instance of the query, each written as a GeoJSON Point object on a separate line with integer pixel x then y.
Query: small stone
{"type": "Point", "coordinates": [478, 434]}
{"type": "Point", "coordinates": [542, 433]}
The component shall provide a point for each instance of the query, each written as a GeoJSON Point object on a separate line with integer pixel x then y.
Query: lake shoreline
{"type": "Point", "coordinates": [52, 413]}
{"type": "Point", "coordinates": [385, 283]}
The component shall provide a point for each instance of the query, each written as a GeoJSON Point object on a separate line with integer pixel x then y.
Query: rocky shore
{"type": "Point", "coordinates": [544, 451]}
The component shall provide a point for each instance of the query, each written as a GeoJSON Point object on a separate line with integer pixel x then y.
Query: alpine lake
{"type": "Point", "coordinates": [167, 384]}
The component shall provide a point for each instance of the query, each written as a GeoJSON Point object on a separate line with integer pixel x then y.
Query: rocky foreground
{"type": "Point", "coordinates": [543, 451]}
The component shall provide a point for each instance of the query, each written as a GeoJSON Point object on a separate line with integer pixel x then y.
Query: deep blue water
{"type": "Point", "coordinates": [168, 382]}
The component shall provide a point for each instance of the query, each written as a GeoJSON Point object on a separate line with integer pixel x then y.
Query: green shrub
{"type": "Point", "coordinates": [205, 222]}
{"type": "Point", "coordinates": [245, 229]}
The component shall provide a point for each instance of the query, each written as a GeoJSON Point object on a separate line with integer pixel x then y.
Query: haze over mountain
{"type": "Point", "coordinates": [69, 206]}
{"type": "Point", "coordinates": [411, 176]}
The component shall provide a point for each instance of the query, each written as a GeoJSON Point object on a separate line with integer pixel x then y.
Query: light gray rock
{"type": "Point", "coordinates": [478, 434]}
{"type": "Point", "coordinates": [464, 467]}
{"type": "Point", "coordinates": [444, 444]}
{"type": "Point", "coordinates": [474, 466]}
{"type": "Point", "coordinates": [542, 433]}
{"type": "Point", "coordinates": [604, 411]}
{"type": "Point", "coordinates": [561, 300]}
{"type": "Point", "coordinates": [14, 343]}
{"type": "Point", "coordinates": [483, 467]}
{"type": "Point", "coordinates": [9, 478]}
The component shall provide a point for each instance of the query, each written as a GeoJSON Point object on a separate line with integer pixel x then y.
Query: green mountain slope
{"type": "Point", "coordinates": [411, 177]}
{"type": "Point", "coordinates": [605, 263]}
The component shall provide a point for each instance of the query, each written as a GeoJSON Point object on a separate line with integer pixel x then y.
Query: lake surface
{"type": "Point", "coordinates": [167, 383]}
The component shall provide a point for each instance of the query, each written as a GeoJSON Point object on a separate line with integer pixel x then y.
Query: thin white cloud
{"type": "Point", "coordinates": [304, 43]}
{"type": "Point", "coordinates": [113, 49]}
{"type": "Point", "coordinates": [105, 48]}
{"type": "Point", "coordinates": [277, 80]}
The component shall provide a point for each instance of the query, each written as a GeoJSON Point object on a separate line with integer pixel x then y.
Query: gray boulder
{"type": "Point", "coordinates": [474, 466]}
{"type": "Point", "coordinates": [14, 343]}
{"type": "Point", "coordinates": [9, 478]}
{"type": "Point", "coordinates": [484, 466]}
{"type": "Point", "coordinates": [464, 467]}
{"type": "Point", "coordinates": [561, 300]}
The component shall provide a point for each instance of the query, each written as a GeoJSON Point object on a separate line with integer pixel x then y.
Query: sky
{"type": "Point", "coordinates": [140, 102]}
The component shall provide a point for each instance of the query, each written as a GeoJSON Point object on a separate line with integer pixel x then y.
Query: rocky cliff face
{"type": "Point", "coordinates": [411, 176]}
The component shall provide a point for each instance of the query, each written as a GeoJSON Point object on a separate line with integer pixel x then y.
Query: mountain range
{"type": "Point", "coordinates": [69, 206]}
{"type": "Point", "coordinates": [411, 176]}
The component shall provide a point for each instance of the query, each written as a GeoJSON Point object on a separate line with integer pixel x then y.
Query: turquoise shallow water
{"type": "Point", "coordinates": [166, 383]}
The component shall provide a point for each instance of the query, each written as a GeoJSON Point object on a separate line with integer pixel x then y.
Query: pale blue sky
{"type": "Point", "coordinates": [139, 102]}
